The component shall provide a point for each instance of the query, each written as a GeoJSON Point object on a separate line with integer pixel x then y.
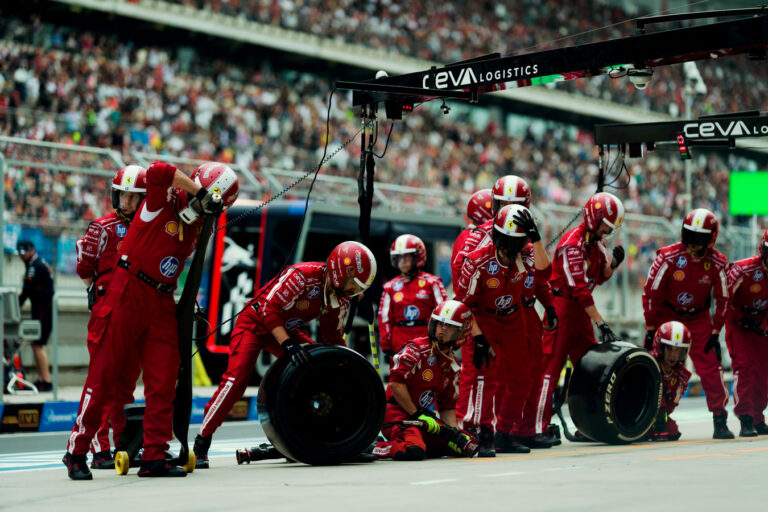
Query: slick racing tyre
{"type": "Point", "coordinates": [325, 411]}
{"type": "Point", "coordinates": [614, 393]}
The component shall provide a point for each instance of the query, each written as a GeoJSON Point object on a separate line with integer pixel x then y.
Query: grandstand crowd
{"type": "Point", "coordinates": [79, 87]}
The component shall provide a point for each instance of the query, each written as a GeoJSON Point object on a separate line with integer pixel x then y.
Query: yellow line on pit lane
{"type": "Point", "coordinates": [610, 449]}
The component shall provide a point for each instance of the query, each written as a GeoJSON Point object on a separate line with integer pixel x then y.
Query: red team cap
{"type": "Point", "coordinates": [216, 178]}
{"type": "Point", "coordinates": [480, 206]}
{"type": "Point", "coordinates": [408, 244]}
{"type": "Point", "coordinates": [131, 178]}
{"type": "Point", "coordinates": [512, 189]}
{"type": "Point", "coordinates": [674, 334]}
{"type": "Point", "coordinates": [451, 312]}
{"type": "Point", "coordinates": [700, 227]}
{"type": "Point", "coordinates": [351, 261]}
{"type": "Point", "coordinates": [603, 207]}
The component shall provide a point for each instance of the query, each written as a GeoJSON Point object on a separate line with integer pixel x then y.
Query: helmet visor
{"type": "Point", "coordinates": [696, 238]}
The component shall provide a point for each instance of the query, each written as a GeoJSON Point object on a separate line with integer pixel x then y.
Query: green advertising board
{"type": "Point", "coordinates": [748, 193]}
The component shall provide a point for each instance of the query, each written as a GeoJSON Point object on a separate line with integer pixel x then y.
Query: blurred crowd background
{"type": "Point", "coordinates": [104, 88]}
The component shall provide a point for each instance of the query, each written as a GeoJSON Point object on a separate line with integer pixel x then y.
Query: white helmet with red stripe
{"type": "Point", "coordinates": [218, 179]}
{"type": "Point", "coordinates": [131, 178]}
{"type": "Point", "coordinates": [603, 207]}
{"type": "Point", "coordinates": [700, 227]}
{"type": "Point", "coordinates": [511, 189]}
{"type": "Point", "coordinates": [409, 244]}
{"type": "Point", "coordinates": [454, 314]}
{"type": "Point", "coordinates": [351, 268]}
{"type": "Point", "coordinates": [480, 206]}
{"type": "Point", "coordinates": [673, 334]}
{"type": "Point", "coordinates": [507, 235]}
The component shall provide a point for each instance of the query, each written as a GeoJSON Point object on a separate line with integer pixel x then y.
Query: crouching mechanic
{"type": "Point", "coordinates": [670, 348]}
{"type": "Point", "coordinates": [137, 317]}
{"type": "Point", "coordinates": [272, 321]}
{"type": "Point", "coordinates": [96, 259]}
{"type": "Point", "coordinates": [424, 373]}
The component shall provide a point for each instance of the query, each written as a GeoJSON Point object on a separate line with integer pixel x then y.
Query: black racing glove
{"type": "Point", "coordinates": [210, 203]}
{"type": "Point", "coordinates": [551, 324]}
{"type": "Point", "coordinates": [648, 343]}
{"type": "Point", "coordinates": [618, 256]}
{"type": "Point", "coordinates": [482, 354]}
{"type": "Point", "coordinates": [525, 221]}
{"type": "Point", "coordinates": [297, 353]}
{"type": "Point", "coordinates": [714, 344]}
{"type": "Point", "coordinates": [91, 290]}
{"type": "Point", "coordinates": [607, 334]}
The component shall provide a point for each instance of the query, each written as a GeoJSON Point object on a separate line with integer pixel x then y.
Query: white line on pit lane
{"type": "Point", "coordinates": [31, 461]}
{"type": "Point", "coordinates": [433, 482]}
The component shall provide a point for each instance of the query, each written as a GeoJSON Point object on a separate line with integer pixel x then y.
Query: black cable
{"type": "Point", "coordinates": [386, 144]}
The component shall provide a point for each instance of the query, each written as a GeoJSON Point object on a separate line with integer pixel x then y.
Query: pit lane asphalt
{"type": "Point", "coordinates": [694, 473]}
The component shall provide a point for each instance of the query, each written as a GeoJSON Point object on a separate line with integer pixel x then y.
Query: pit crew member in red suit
{"type": "Point", "coordinates": [680, 284]}
{"type": "Point", "coordinates": [746, 337]}
{"type": "Point", "coordinates": [581, 262]}
{"type": "Point", "coordinates": [491, 284]}
{"type": "Point", "coordinates": [96, 260]}
{"type": "Point", "coordinates": [273, 319]}
{"type": "Point", "coordinates": [408, 299]}
{"type": "Point", "coordinates": [671, 344]}
{"type": "Point", "coordinates": [424, 373]}
{"type": "Point", "coordinates": [161, 237]}
{"type": "Point", "coordinates": [479, 211]}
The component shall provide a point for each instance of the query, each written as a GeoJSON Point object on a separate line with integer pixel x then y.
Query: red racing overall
{"type": "Point", "coordinates": [748, 349]}
{"type": "Point", "coordinates": [679, 288]}
{"type": "Point", "coordinates": [96, 259]}
{"type": "Point", "coordinates": [292, 301]}
{"type": "Point", "coordinates": [136, 319]}
{"type": "Point", "coordinates": [405, 306]}
{"type": "Point", "coordinates": [431, 377]}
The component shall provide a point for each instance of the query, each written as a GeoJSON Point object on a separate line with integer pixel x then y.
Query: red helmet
{"type": "Point", "coordinates": [451, 312]}
{"type": "Point", "coordinates": [700, 228]}
{"type": "Point", "coordinates": [131, 178]}
{"type": "Point", "coordinates": [216, 178]}
{"type": "Point", "coordinates": [674, 334]}
{"type": "Point", "coordinates": [506, 234]}
{"type": "Point", "coordinates": [763, 248]}
{"type": "Point", "coordinates": [351, 263]}
{"type": "Point", "coordinates": [408, 244]}
{"type": "Point", "coordinates": [603, 207]}
{"type": "Point", "coordinates": [512, 189]}
{"type": "Point", "coordinates": [480, 206]}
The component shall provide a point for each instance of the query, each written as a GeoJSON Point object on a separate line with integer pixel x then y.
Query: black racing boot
{"type": "Point", "coordinates": [721, 427]}
{"type": "Point", "coordinates": [507, 443]}
{"type": "Point", "coordinates": [761, 428]}
{"type": "Point", "coordinates": [485, 440]}
{"type": "Point", "coordinates": [537, 441]}
{"type": "Point", "coordinates": [747, 426]}
{"type": "Point", "coordinates": [103, 460]}
{"type": "Point", "coordinates": [160, 467]}
{"type": "Point", "coordinates": [202, 444]}
{"type": "Point", "coordinates": [77, 467]}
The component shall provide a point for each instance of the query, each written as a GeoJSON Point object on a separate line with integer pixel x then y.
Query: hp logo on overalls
{"type": "Point", "coordinates": [169, 266]}
{"type": "Point", "coordinates": [529, 281]}
{"type": "Point", "coordinates": [685, 299]}
{"type": "Point", "coordinates": [426, 398]}
{"type": "Point", "coordinates": [121, 230]}
{"type": "Point", "coordinates": [411, 312]}
{"type": "Point", "coordinates": [504, 302]}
